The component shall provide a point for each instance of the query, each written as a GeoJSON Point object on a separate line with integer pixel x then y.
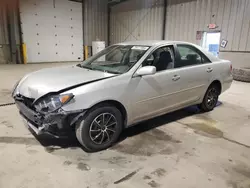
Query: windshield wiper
{"type": "Point", "coordinates": [85, 67]}
{"type": "Point", "coordinates": [90, 68]}
{"type": "Point", "coordinates": [112, 72]}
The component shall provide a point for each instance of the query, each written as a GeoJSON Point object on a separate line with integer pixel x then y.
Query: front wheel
{"type": "Point", "coordinates": [100, 128]}
{"type": "Point", "coordinates": [210, 99]}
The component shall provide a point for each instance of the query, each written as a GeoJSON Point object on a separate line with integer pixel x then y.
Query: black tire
{"type": "Point", "coordinates": [241, 74]}
{"type": "Point", "coordinates": [85, 125]}
{"type": "Point", "coordinates": [210, 99]}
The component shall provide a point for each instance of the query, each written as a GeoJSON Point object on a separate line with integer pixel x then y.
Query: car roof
{"type": "Point", "coordinates": [152, 42]}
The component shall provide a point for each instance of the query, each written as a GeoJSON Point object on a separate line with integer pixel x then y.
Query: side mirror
{"type": "Point", "coordinates": [147, 70]}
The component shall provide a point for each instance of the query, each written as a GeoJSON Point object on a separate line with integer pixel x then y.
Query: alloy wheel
{"type": "Point", "coordinates": [212, 97]}
{"type": "Point", "coordinates": [102, 128]}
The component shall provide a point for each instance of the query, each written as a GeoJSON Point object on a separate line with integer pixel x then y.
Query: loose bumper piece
{"type": "Point", "coordinates": [56, 124]}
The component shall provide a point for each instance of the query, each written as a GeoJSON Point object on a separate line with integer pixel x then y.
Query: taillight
{"type": "Point", "coordinates": [231, 68]}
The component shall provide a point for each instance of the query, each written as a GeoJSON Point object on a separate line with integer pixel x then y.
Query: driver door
{"type": "Point", "coordinates": [154, 94]}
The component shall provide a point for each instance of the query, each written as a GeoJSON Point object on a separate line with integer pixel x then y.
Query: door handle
{"type": "Point", "coordinates": [176, 77]}
{"type": "Point", "coordinates": [209, 69]}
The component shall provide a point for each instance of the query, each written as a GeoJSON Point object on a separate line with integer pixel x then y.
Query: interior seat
{"type": "Point", "coordinates": [164, 60]}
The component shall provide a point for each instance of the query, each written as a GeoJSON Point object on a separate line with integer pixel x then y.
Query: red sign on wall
{"type": "Point", "coordinates": [212, 26]}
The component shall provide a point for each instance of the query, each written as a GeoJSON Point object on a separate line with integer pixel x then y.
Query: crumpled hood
{"type": "Point", "coordinates": [39, 83]}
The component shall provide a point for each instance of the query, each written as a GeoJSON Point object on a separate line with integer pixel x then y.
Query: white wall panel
{"type": "Point", "coordinates": [239, 59]}
{"type": "Point", "coordinates": [197, 8]}
{"type": "Point", "coordinates": [220, 13]}
{"type": "Point", "coordinates": [231, 24]}
{"type": "Point", "coordinates": [225, 22]}
{"type": "Point", "coordinates": [208, 15]}
{"type": "Point", "coordinates": [52, 30]}
{"type": "Point", "coordinates": [245, 27]}
{"type": "Point", "coordinates": [238, 25]}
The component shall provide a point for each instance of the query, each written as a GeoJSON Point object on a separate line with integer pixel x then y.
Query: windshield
{"type": "Point", "coordinates": [116, 59]}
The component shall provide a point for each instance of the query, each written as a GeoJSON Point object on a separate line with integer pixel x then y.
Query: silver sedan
{"type": "Point", "coordinates": [120, 86]}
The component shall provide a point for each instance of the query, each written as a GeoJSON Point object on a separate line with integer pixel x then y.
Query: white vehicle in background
{"type": "Point", "coordinates": [120, 86]}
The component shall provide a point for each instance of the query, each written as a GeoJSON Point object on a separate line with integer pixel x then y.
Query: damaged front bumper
{"type": "Point", "coordinates": [57, 124]}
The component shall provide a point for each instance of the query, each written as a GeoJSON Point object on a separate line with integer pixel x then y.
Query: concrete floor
{"type": "Point", "coordinates": [181, 149]}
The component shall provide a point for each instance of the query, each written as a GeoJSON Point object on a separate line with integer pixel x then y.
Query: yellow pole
{"type": "Point", "coordinates": [86, 52]}
{"type": "Point", "coordinates": [24, 47]}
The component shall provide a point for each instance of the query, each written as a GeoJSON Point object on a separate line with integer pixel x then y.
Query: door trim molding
{"type": "Point", "coordinates": [184, 90]}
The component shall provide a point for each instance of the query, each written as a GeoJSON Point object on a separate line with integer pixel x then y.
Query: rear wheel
{"type": "Point", "coordinates": [210, 99]}
{"type": "Point", "coordinates": [100, 128]}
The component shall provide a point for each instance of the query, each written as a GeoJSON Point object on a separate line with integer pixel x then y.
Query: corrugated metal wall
{"type": "Point", "coordinates": [95, 21]}
{"type": "Point", "coordinates": [186, 17]}
{"type": "Point", "coordinates": [136, 20]}
{"type": "Point", "coordinates": [3, 25]}
{"type": "Point", "coordinates": [4, 40]}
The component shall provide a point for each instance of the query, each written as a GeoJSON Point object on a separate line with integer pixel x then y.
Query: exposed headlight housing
{"type": "Point", "coordinates": [53, 102]}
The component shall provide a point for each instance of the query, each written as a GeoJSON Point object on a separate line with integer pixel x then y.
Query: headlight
{"type": "Point", "coordinates": [53, 102]}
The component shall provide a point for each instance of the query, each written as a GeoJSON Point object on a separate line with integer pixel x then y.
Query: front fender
{"type": "Point", "coordinates": [87, 96]}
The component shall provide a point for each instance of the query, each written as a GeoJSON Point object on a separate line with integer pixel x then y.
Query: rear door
{"type": "Point", "coordinates": [193, 70]}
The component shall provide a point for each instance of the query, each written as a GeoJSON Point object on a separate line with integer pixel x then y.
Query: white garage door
{"type": "Point", "coordinates": [52, 30]}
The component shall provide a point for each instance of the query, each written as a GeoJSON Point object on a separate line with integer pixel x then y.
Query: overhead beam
{"type": "Point", "coordinates": [115, 2]}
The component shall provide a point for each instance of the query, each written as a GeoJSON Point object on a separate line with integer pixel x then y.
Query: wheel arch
{"type": "Point", "coordinates": [116, 104]}
{"type": "Point", "coordinates": [201, 104]}
{"type": "Point", "coordinates": [217, 83]}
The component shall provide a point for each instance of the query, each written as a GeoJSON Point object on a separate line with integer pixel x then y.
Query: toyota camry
{"type": "Point", "coordinates": [119, 87]}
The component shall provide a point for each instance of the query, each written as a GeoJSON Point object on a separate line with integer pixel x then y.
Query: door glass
{"type": "Point", "coordinates": [189, 55]}
{"type": "Point", "coordinates": [162, 58]}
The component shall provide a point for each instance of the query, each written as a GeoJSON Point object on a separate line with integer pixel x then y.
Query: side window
{"type": "Point", "coordinates": [162, 58]}
{"type": "Point", "coordinates": [189, 55]}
